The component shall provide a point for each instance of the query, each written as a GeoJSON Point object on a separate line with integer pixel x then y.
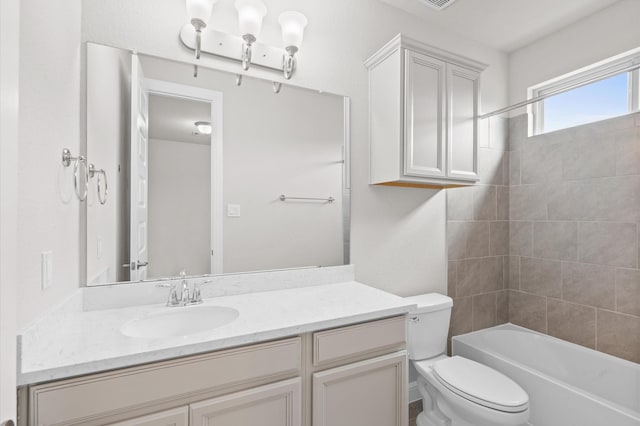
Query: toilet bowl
{"type": "Point", "coordinates": [457, 391]}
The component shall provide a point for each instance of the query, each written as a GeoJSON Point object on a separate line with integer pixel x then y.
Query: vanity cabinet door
{"type": "Point", "coordinates": [176, 417]}
{"type": "Point", "coordinates": [367, 393]}
{"type": "Point", "coordinates": [278, 404]}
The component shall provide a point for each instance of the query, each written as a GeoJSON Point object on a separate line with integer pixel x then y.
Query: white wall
{"type": "Point", "coordinates": [9, 101]}
{"type": "Point", "coordinates": [398, 234]}
{"type": "Point", "coordinates": [48, 212]}
{"type": "Point", "coordinates": [179, 207]}
{"type": "Point", "coordinates": [609, 32]}
{"type": "Point", "coordinates": [108, 135]}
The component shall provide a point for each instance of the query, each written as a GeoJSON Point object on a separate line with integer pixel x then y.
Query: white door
{"type": "Point", "coordinates": [139, 253]}
{"type": "Point", "coordinates": [9, 43]}
{"type": "Point", "coordinates": [424, 150]}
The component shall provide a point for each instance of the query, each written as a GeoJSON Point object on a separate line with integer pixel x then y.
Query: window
{"type": "Point", "coordinates": [604, 90]}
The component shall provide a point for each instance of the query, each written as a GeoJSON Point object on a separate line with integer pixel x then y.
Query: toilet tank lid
{"type": "Point", "coordinates": [430, 302]}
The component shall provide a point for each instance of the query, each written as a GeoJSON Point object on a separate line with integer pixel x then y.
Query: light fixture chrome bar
{"type": "Point", "coordinates": [557, 92]}
{"type": "Point", "coordinates": [328, 200]}
{"type": "Point", "coordinates": [230, 47]}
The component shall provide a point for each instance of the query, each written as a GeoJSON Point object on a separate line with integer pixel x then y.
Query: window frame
{"type": "Point", "coordinates": [591, 74]}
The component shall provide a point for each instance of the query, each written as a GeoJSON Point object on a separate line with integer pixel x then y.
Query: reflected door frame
{"type": "Point", "coordinates": [215, 99]}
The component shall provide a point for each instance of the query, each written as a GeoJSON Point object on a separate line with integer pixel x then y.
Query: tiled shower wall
{"type": "Point", "coordinates": [549, 240]}
{"type": "Point", "coordinates": [478, 238]}
{"type": "Point", "coordinates": [573, 249]}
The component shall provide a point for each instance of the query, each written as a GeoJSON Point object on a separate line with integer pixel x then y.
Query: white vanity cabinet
{"type": "Point", "coordinates": [423, 124]}
{"type": "Point", "coordinates": [324, 378]}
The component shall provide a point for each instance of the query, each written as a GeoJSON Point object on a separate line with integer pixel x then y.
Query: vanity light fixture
{"type": "Point", "coordinates": [204, 127]}
{"type": "Point", "coordinates": [199, 12]}
{"type": "Point", "coordinates": [293, 24]}
{"type": "Point", "coordinates": [245, 48]}
{"type": "Point", "coordinates": [250, 14]}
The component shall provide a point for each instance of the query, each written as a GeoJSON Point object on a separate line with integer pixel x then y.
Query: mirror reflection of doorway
{"type": "Point", "coordinates": [179, 186]}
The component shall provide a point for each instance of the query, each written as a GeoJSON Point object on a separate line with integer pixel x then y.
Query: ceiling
{"type": "Point", "coordinates": [173, 119]}
{"type": "Point", "coordinates": [504, 24]}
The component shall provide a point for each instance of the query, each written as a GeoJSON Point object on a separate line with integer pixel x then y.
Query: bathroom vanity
{"type": "Point", "coordinates": [320, 355]}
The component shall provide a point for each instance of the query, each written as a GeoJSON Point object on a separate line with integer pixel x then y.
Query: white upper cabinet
{"type": "Point", "coordinates": [423, 108]}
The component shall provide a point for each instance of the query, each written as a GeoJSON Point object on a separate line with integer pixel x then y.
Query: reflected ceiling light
{"type": "Point", "coordinates": [250, 14]}
{"type": "Point", "coordinates": [204, 127]}
{"type": "Point", "coordinates": [293, 24]}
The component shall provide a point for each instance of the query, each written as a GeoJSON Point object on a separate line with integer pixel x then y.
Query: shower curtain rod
{"type": "Point", "coordinates": [632, 67]}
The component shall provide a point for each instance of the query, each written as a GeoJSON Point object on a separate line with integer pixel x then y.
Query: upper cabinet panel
{"type": "Point", "coordinates": [423, 115]}
{"type": "Point", "coordinates": [424, 78]}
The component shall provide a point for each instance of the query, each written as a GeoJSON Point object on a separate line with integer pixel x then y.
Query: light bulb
{"type": "Point", "coordinates": [200, 10]}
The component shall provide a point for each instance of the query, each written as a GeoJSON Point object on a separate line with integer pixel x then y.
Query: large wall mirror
{"type": "Point", "coordinates": [189, 173]}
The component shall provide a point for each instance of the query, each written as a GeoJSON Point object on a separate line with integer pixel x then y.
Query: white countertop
{"type": "Point", "coordinates": [78, 342]}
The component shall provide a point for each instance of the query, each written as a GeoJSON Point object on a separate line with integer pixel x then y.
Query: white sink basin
{"type": "Point", "coordinates": [180, 321]}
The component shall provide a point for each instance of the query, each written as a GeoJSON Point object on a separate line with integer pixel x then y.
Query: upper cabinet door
{"type": "Point", "coordinates": [424, 149]}
{"type": "Point", "coordinates": [462, 125]}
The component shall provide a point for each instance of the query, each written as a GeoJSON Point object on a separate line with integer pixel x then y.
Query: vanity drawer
{"type": "Point", "coordinates": [357, 340]}
{"type": "Point", "coordinates": [85, 399]}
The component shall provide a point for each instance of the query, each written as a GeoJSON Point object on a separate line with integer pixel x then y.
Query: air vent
{"type": "Point", "coordinates": [438, 4]}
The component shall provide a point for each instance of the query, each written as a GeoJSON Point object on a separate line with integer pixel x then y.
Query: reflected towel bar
{"type": "Point", "coordinates": [328, 200]}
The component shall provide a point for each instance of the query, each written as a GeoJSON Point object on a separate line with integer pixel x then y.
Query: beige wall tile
{"type": "Point", "coordinates": [628, 152]}
{"type": "Point", "coordinates": [452, 277]}
{"type": "Point", "coordinates": [503, 202]}
{"type": "Point", "coordinates": [456, 240]}
{"type": "Point", "coordinates": [587, 284]}
{"type": "Point", "coordinates": [491, 166]}
{"type": "Point", "coordinates": [588, 158]}
{"type": "Point", "coordinates": [571, 322]}
{"type": "Point", "coordinates": [528, 310]}
{"type": "Point", "coordinates": [502, 307]}
{"type": "Point", "coordinates": [521, 238]}
{"type": "Point", "coordinates": [514, 168]}
{"type": "Point", "coordinates": [499, 238]}
{"type": "Point", "coordinates": [540, 276]}
{"type": "Point", "coordinates": [485, 204]}
{"type": "Point", "coordinates": [555, 240]}
{"type": "Point", "coordinates": [478, 239]}
{"type": "Point", "coordinates": [477, 276]}
{"type": "Point", "coordinates": [541, 161]}
{"type": "Point", "coordinates": [618, 335]}
{"type": "Point", "coordinates": [484, 309]}
{"type": "Point", "coordinates": [612, 244]}
{"type": "Point", "coordinates": [461, 320]}
{"type": "Point", "coordinates": [628, 291]}
{"type": "Point", "coordinates": [514, 273]}
{"type": "Point", "coordinates": [528, 202]}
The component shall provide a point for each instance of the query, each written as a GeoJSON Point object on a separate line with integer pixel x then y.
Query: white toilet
{"type": "Point", "coordinates": [457, 391]}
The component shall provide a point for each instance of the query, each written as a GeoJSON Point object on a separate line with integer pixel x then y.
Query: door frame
{"type": "Point", "coordinates": [215, 99]}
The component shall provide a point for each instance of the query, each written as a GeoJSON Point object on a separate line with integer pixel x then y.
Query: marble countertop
{"type": "Point", "coordinates": [78, 341]}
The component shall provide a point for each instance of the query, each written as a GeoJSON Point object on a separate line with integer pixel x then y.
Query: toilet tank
{"type": "Point", "coordinates": [428, 325]}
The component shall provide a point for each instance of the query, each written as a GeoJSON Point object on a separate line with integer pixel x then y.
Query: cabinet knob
{"type": "Point", "coordinates": [8, 423]}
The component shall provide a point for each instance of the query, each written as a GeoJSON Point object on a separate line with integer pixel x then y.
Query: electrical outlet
{"type": "Point", "coordinates": [233, 210]}
{"type": "Point", "coordinates": [46, 269]}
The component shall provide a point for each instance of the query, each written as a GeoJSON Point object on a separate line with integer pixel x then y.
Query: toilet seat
{"type": "Point", "coordinates": [480, 384]}
{"type": "Point", "coordinates": [476, 383]}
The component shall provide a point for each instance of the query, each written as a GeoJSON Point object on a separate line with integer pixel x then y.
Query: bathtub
{"type": "Point", "coordinates": [568, 385]}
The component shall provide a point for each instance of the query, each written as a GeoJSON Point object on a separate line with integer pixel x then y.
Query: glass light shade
{"type": "Point", "coordinates": [292, 24]}
{"type": "Point", "coordinates": [204, 127]}
{"type": "Point", "coordinates": [250, 14]}
{"type": "Point", "coordinates": [200, 9]}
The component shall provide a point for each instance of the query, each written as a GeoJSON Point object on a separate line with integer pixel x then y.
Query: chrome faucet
{"type": "Point", "coordinates": [186, 297]}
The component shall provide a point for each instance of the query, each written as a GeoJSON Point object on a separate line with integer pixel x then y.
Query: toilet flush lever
{"type": "Point", "coordinates": [415, 319]}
